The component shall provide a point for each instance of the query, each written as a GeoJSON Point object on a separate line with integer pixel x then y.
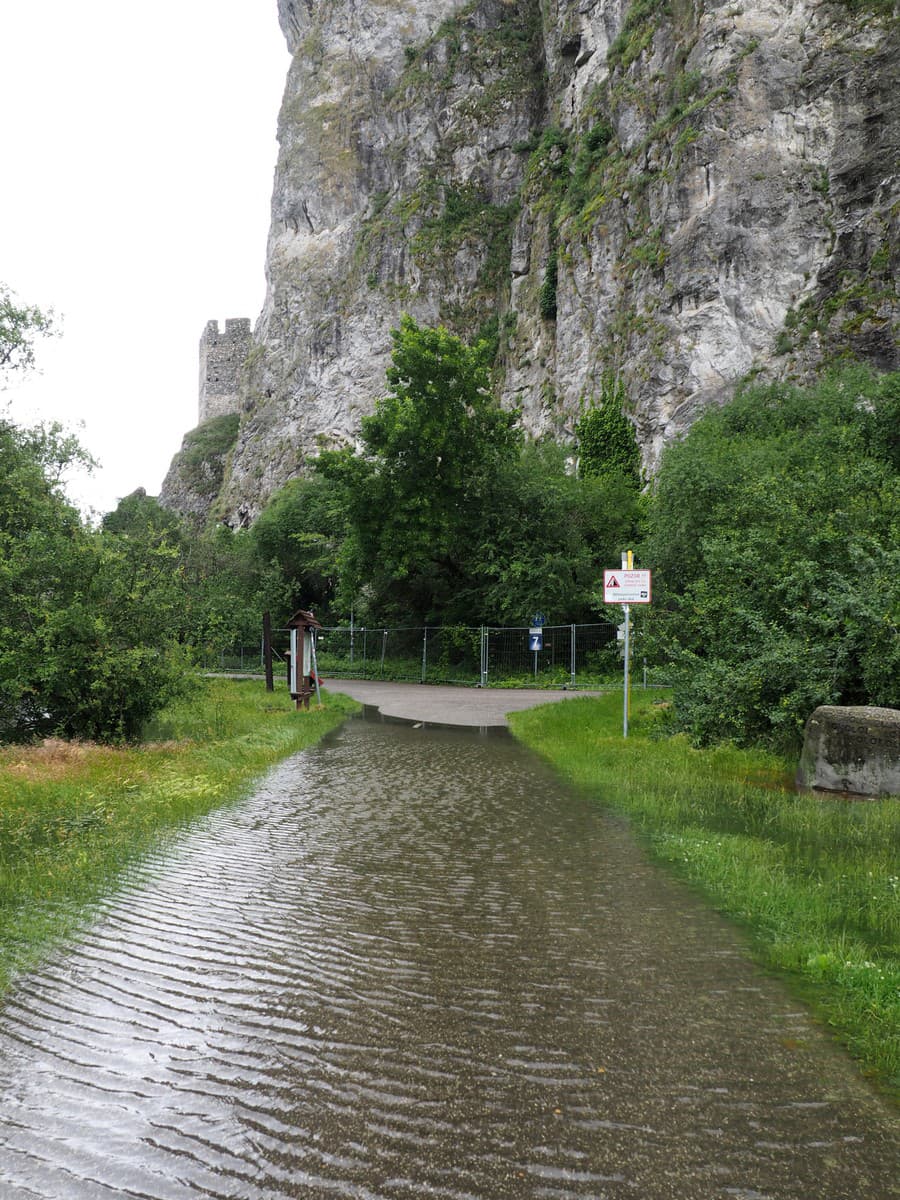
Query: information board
{"type": "Point", "coordinates": [626, 587]}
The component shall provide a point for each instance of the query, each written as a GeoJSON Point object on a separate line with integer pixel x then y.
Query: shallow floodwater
{"type": "Point", "coordinates": [414, 964]}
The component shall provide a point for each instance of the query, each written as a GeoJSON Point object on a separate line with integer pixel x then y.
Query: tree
{"type": "Point", "coordinates": [86, 619]}
{"type": "Point", "coordinates": [301, 532]}
{"type": "Point", "coordinates": [774, 537]}
{"type": "Point", "coordinates": [550, 536]}
{"type": "Point", "coordinates": [141, 516]}
{"type": "Point", "coordinates": [420, 496]}
{"type": "Point", "coordinates": [19, 324]}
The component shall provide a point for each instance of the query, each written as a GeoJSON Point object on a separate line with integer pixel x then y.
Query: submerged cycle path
{"type": "Point", "coordinates": [415, 964]}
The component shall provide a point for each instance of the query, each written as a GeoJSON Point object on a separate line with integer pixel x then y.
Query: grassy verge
{"type": "Point", "coordinates": [74, 816]}
{"type": "Point", "coordinates": [815, 881]}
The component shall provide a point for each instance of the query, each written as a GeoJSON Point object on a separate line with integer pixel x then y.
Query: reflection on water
{"type": "Point", "coordinates": [414, 964]}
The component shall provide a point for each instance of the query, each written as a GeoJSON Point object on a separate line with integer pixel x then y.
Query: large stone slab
{"type": "Point", "coordinates": [852, 749]}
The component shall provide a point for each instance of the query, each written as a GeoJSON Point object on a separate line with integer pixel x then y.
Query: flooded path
{"type": "Point", "coordinates": [414, 964]}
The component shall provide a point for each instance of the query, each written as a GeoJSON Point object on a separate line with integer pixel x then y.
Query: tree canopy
{"type": "Point", "coordinates": [88, 619]}
{"type": "Point", "coordinates": [19, 325]}
{"type": "Point", "coordinates": [435, 451]}
{"type": "Point", "coordinates": [774, 535]}
{"type": "Point", "coordinates": [454, 517]}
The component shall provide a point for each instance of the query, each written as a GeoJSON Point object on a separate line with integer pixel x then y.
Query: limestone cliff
{"type": "Point", "coordinates": [677, 193]}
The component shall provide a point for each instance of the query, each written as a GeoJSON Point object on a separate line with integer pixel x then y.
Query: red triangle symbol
{"type": "Point", "coordinates": [613, 582]}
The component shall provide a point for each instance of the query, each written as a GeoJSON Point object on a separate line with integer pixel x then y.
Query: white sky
{"type": "Point", "coordinates": [136, 167]}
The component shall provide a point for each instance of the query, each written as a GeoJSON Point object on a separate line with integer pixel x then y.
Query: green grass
{"type": "Point", "coordinates": [74, 816]}
{"type": "Point", "coordinates": [813, 880]}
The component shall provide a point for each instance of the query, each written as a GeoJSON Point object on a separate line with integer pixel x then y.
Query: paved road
{"type": "Point", "coordinates": [434, 704]}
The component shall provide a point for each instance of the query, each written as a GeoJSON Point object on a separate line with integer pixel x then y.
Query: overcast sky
{"type": "Point", "coordinates": [137, 159]}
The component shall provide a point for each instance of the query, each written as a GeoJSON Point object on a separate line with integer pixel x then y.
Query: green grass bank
{"type": "Point", "coordinates": [813, 880]}
{"type": "Point", "coordinates": [75, 816]}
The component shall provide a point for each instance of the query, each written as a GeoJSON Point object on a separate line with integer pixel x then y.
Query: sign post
{"type": "Point", "coordinates": [626, 587]}
{"type": "Point", "coordinates": [536, 637]}
{"type": "Point", "coordinates": [626, 696]}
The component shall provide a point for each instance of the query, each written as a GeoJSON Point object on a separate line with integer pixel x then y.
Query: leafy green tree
{"type": "Point", "coordinates": [550, 537]}
{"type": "Point", "coordinates": [109, 656]}
{"type": "Point", "coordinates": [86, 620]}
{"type": "Point", "coordinates": [19, 325]}
{"type": "Point", "coordinates": [226, 591]}
{"type": "Point", "coordinates": [774, 537]}
{"type": "Point", "coordinates": [420, 496]}
{"type": "Point", "coordinates": [141, 516]}
{"type": "Point", "coordinates": [301, 533]}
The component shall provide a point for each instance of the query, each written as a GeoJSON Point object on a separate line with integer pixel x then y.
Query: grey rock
{"type": "Point", "coordinates": [743, 219]}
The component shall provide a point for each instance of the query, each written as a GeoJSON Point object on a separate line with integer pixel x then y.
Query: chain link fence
{"type": "Point", "coordinates": [570, 656]}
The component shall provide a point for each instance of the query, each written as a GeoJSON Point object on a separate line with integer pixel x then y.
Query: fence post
{"type": "Point", "coordinates": [484, 656]}
{"type": "Point", "coordinates": [424, 654]}
{"type": "Point", "coordinates": [572, 670]}
{"type": "Point", "coordinates": [383, 651]}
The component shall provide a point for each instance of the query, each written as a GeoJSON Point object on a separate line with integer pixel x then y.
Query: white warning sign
{"type": "Point", "coordinates": [626, 587]}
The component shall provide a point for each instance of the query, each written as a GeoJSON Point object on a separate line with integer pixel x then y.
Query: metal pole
{"type": "Point", "coordinates": [383, 651]}
{"type": "Point", "coordinates": [351, 637]}
{"type": "Point", "coordinates": [424, 654]}
{"type": "Point", "coordinates": [572, 671]}
{"type": "Point", "coordinates": [627, 608]}
{"type": "Point", "coordinates": [484, 656]}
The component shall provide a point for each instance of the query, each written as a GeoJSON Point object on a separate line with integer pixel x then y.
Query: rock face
{"type": "Point", "coordinates": [194, 480]}
{"type": "Point", "coordinates": [853, 750]}
{"type": "Point", "coordinates": [672, 193]}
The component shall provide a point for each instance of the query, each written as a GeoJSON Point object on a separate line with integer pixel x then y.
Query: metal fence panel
{"type": "Point", "coordinates": [572, 656]}
{"type": "Point", "coordinates": [568, 654]}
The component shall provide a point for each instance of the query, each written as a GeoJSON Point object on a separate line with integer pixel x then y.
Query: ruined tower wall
{"type": "Point", "coordinates": [222, 357]}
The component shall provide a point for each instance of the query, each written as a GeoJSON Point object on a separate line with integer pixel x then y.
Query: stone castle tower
{"type": "Point", "coordinates": [222, 357]}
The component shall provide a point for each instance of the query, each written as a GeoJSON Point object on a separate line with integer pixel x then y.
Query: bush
{"type": "Point", "coordinates": [773, 534]}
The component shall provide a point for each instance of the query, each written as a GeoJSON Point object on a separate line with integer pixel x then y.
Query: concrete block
{"type": "Point", "coordinates": [852, 749]}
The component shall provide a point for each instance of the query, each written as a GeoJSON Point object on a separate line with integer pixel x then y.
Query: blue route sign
{"type": "Point", "coordinates": [535, 639]}
{"type": "Point", "coordinates": [539, 619]}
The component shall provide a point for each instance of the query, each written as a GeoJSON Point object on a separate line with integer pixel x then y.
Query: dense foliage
{"type": "Point", "coordinates": [775, 536]}
{"type": "Point", "coordinates": [606, 441]}
{"type": "Point", "coordinates": [772, 529]}
{"type": "Point", "coordinates": [87, 619]}
{"type": "Point", "coordinates": [451, 516]}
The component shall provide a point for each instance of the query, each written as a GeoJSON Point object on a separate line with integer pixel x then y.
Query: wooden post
{"type": "Point", "coordinates": [267, 651]}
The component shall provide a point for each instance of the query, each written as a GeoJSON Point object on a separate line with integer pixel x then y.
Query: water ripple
{"type": "Point", "coordinates": [413, 964]}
